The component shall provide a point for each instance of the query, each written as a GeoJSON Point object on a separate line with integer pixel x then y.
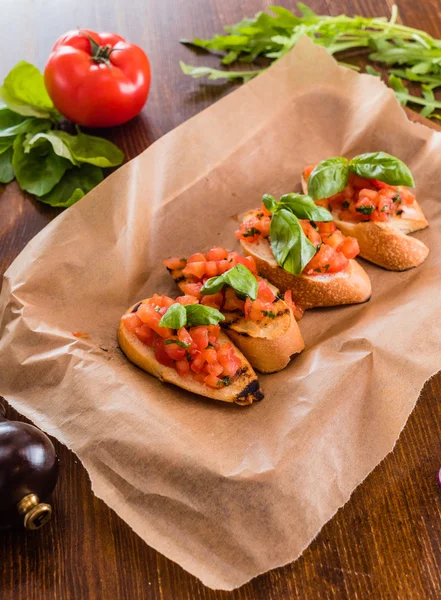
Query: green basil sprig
{"type": "Point", "coordinates": [57, 167]}
{"type": "Point", "coordinates": [239, 278]}
{"type": "Point", "coordinates": [291, 248]}
{"type": "Point", "coordinates": [178, 316]}
{"type": "Point", "coordinates": [331, 175]}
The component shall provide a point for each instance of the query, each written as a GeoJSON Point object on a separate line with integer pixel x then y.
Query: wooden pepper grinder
{"type": "Point", "coordinates": [28, 473]}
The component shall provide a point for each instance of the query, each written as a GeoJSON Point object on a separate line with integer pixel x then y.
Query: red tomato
{"type": "Point", "coordinates": [97, 79]}
{"type": "Point", "coordinates": [326, 227]}
{"type": "Point", "coordinates": [217, 253]}
{"type": "Point", "coordinates": [131, 321]}
{"type": "Point", "coordinates": [192, 289]}
{"type": "Point", "coordinates": [174, 263]}
{"type": "Point", "coordinates": [187, 299]}
{"type": "Point", "coordinates": [195, 268]}
{"type": "Point", "coordinates": [182, 367]}
{"type": "Point", "coordinates": [200, 336]}
{"type": "Point", "coordinates": [145, 334]}
{"type": "Point", "coordinates": [349, 247]}
{"type": "Point", "coordinates": [160, 353]}
{"type": "Point", "coordinates": [173, 350]}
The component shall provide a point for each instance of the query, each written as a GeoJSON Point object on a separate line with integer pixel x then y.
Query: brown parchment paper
{"type": "Point", "coordinates": [227, 492]}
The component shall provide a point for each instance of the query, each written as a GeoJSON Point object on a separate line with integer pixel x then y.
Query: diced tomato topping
{"type": "Point", "coordinates": [160, 352]}
{"type": "Point", "coordinates": [213, 300]}
{"type": "Point", "coordinates": [307, 171]}
{"type": "Point", "coordinates": [174, 263]}
{"type": "Point", "coordinates": [264, 292]}
{"type": "Point", "coordinates": [197, 269]}
{"type": "Point", "coordinates": [349, 247]}
{"type": "Point", "coordinates": [192, 289]}
{"type": "Point", "coordinates": [217, 253]}
{"type": "Point", "coordinates": [334, 239]}
{"type": "Point", "coordinates": [187, 299]}
{"type": "Point", "coordinates": [311, 232]}
{"type": "Point", "coordinates": [182, 367]}
{"type": "Point", "coordinates": [198, 257]}
{"type": "Point", "coordinates": [145, 334]}
{"type": "Point", "coordinates": [222, 266]}
{"type": "Point", "coordinates": [323, 202]}
{"type": "Point", "coordinates": [200, 336]}
{"type": "Point", "coordinates": [131, 321]}
{"type": "Point", "coordinates": [212, 381]}
{"type": "Point", "coordinates": [326, 228]}
{"type": "Point", "coordinates": [211, 268]}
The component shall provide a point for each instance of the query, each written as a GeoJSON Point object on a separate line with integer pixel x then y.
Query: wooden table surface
{"type": "Point", "coordinates": [386, 542]}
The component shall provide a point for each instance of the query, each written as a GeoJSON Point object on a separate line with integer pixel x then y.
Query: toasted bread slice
{"type": "Point", "coordinates": [350, 286]}
{"type": "Point", "coordinates": [244, 387]}
{"type": "Point", "coordinates": [269, 343]}
{"type": "Point", "coordinates": [386, 243]}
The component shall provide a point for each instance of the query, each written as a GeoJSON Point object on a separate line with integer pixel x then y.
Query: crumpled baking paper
{"type": "Point", "coordinates": [225, 491]}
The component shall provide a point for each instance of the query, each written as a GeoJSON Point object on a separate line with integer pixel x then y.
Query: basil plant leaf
{"type": "Point", "coordinates": [328, 178]}
{"type": "Point", "coordinates": [303, 207]}
{"type": "Point", "coordinates": [269, 202]}
{"type": "Point", "coordinates": [6, 169]}
{"type": "Point", "coordinates": [239, 278]}
{"type": "Point", "coordinates": [91, 149]}
{"type": "Point", "coordinates": [175, 317]}
{"type": "Point", "coordinates": [58, 145]}
{"type": "Point", "coordinates": [38, 170]}
{"type": "Point", "coordinates": [74, 184]}
{"type": "Point", "coordinates": [382, 166]}
{"type": "Point", "coordinates": [24, 92]}
{"type": "Point", "coordinates": [291, 248]}
{"type": "Point", "coordinates": [198, 314]}
{"type": "Point", "coordinates": [12, 124]}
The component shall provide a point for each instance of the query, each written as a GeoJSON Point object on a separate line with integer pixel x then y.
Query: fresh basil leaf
{"type": "Point", "coordinates": [198, 314]}
{"type": "Point", "coordinates": [74, 184]}
{"type": "Point", "coordinates": [175, 317]}
{"type": "Point", "coordinates": [6, 143]}
{"type": "Point", "coordinates": [303, 207]}
{"type": "Point", "coordinates": [12, 124]}
{"type": "Point", "coordinates": [91, 149]}
{"type": "Point", "coordinates": [328, 178]}
{"type": "Point", "coordinates": [382, 166]}
{"type": "Point", "coordinates": [365, 209]}
{"type": "Point", "coordinates": [6, 169]}
{"type": "Point", "coordinates": [39, 170]}
{"type": "Point", "coordinates": [58, 145]}
{"type": "Point", "coordinates": [291, 248]}
{"type": "Point", "coordinates": [269, 202]}
{"type": "Point", "coordinates": [239, 278]}
{"type": "Point", "coordinates": [24, 92]}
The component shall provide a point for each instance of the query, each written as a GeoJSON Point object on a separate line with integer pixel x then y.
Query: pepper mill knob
{"type": "Point", "coordinates": [28, 473]}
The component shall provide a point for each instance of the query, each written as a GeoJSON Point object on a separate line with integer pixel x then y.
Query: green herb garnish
{"type": "Point", "coordinates": [331, 176]}
{"type": "Point", "coordinates": [274, 35]}
{"type": "Point", "coordinates": [365, 210]}
{"type": "Point", "coordinates": [224, 381]}
{"type": "Point", "coordinates": [178, 316]}
{"type": "Point", "coordinates": [239, 278]}
{"type": "Point", "coordinates": [252, 232]}
{"type": "Point", "coordinates": [57, 167]}
{"type": "Point", "coordinates": [269, 313]}
{"type": "Point", "coordinates": [178, 343]}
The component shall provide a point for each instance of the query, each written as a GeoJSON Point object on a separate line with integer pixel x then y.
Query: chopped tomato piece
{"type": "Point", "coordinates": [222, 266]}
{"type": "Point", "coordinates": [187, 299]}
{"type": "Point", "coordinates": [200, 336]}
{"type": "Point", "coordinates": [334, 240]}
{"type": "Point", "coordinates": [349, 247]}
{"type": "Point", "coordinates": [214, 368]}
{"type": "Point", "coordinates": [145, 334]}
{"type": "Point", "coordinates": [213, 300]}
{"type": "Point", "coordinates": [211, 268]}
{"type": "Point", "coordinates": [212, 381]}
{"type": "Point", "coordinates": [198, 257]}
{"type": "Point", "coordinates": [192, 289]}
{"type": "Point", "coordinates": [311, 232]}
{"type": "Point", "coordinates": [160, 353]}
{"type": "Point", "coordinates": [195, 268]}
{"type": "Point", "coordinates": [131, 321]}
{"type": "Point", "coordinates": [174, 263]}
{"type": "Point", "coordinates": [182, 367]}
{"type": "Point", "coordinates": [307, 171]}
{"type": "Point", "coordinates": [326, 227]}
{"type": "Point", "coordinates": [323, 202]}
{"type": "Point", "coordinates": [173, 350]}
{"type": "Point", "coordinates": [264, 292]}
{"type": "Point", "coordinates": [197, 363]}
{"type": "Point", "coordinates": [217, 253]}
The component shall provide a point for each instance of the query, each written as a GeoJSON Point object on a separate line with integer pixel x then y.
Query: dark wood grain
{"type": "Point", "coordinates": [386, 542]}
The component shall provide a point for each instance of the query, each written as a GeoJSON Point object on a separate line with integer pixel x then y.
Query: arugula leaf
{"type": "Point", "coordinates": [198, 314]}
{"type": "Point", "coordinates": [74, 184]}
{"type": "Point", "coordinates": [39, 170]}
{"type": "Point", "coordinates": [6, 169]}
{"type": "Point", "coordinates": [328, 178]}
{"type": "Point", "coordinates": [382, 166]}
{"type": "Point", "coordinates": [303, 207]}
{"type": "Point", "coordinates": [291, 248]}
{"type": "Point", "coordinates": [239, 278]}
{"type": "Point", "coordinates": [91, 149]}
{"type": "Point", "coordinates": [214, 74]}
{"type": "Point", "coordinates": [24, 92]}
{"type": "Point", "coordinates": [175, 317]}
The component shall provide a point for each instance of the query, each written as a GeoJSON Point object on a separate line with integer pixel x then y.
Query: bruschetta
{"type": "Point", "coordinates": [180, 342]}
{"type": "Point", "coordinates": [380, 217]}
{"type": "Point", "coordinates": [262, 325]}
{"type": "Point", "coordinates": [331, 277]}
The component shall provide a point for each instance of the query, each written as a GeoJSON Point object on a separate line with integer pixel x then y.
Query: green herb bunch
{"type": "Point", "coordinates": [57, 167]}
{"type": "Point", "coordinates": [413, 54]}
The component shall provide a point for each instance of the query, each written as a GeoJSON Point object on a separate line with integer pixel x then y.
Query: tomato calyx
{"type": "Point", "coordinates": [100, 54]}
